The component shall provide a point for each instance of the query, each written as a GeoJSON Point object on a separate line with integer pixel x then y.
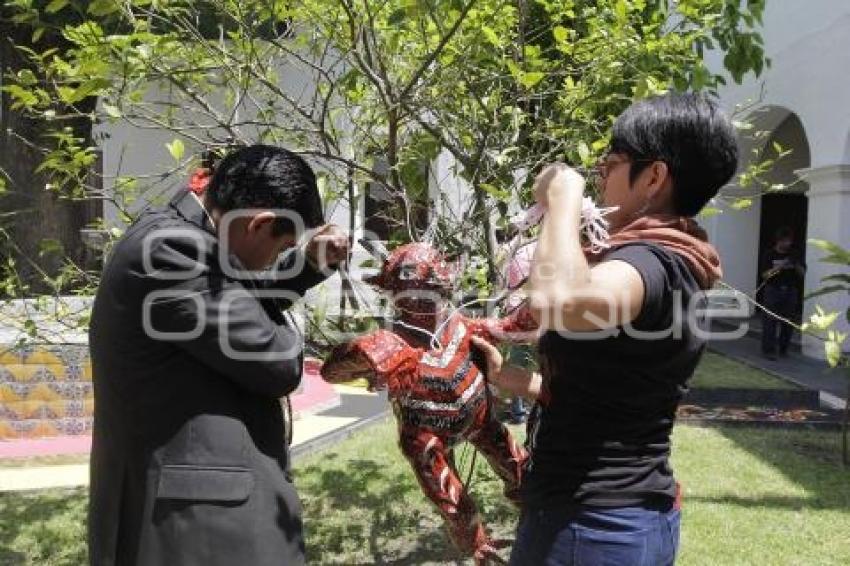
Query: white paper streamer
{"type": "Point", "coordinates": [593, 224]}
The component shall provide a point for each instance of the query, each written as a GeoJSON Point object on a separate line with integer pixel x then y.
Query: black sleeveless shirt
{"type": "Point", "coordinates": [601, 434]}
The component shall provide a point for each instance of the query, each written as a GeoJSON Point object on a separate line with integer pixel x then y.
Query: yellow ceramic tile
{"type": "Point", "coordinates": [44, 428]}
{"type": "Point", "coordinates": [8, 357]}
{"type": "Point", "coordinates": [22, 373]}
{"type": "Point", "coordinates": [43, 357]}
{"type": "Point", "coordinates": [42, 392]}
{"type": "Point", "coordinates": [29, 409]}
{"type": "Point", "coordinates": [7, 395]}
{"type": "Point", "coordinates": [7, 432]}
{"type": "Point", "coordinates": [58, 408]}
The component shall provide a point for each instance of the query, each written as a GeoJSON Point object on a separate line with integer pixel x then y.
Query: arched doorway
{"type": "Point", "coordinates": [786, 208]}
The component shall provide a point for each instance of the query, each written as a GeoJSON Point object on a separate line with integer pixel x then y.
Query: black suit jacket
{"type": "Point", "coordinates": [189, 464]}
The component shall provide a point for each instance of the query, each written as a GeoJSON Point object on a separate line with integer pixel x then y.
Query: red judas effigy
{"type": "Point", "coordinates": [439, 393]}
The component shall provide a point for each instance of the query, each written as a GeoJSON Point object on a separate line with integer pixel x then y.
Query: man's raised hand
{"type": "Point", "coordinates": [327, 247]}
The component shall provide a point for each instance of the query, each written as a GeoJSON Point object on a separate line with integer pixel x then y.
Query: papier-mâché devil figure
{"type": "Point", "coordinates": [439, 395]}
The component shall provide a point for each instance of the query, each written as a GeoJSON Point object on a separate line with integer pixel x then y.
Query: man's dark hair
{"type": "Point", "coordinates": [263, 176]}
{"type": "Point", "coordinates": [690, 134]}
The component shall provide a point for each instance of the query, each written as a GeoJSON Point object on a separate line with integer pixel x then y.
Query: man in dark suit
{"type": "Point", "coordinates": [191, 351]}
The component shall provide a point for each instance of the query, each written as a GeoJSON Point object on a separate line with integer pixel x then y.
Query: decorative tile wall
{"type": "Point", "coordinates": [45, 391]}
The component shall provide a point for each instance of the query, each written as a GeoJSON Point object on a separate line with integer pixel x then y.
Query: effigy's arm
{"type": "Point", "coordinates": [382, 357]}
{"type": "Point", "coordinates": [518, 327]}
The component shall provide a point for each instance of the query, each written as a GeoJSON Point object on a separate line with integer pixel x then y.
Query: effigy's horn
{"type": "Point", "coordinates": [375, 248]}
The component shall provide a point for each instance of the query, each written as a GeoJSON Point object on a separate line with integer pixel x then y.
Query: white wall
{"type": "Point", "coordinates": [139, 150]}
{"type": "Point", "coordinates": [809, 44]}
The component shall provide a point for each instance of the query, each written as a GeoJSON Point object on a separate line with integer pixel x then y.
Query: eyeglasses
{"type": "Point", "coordinates": [605, 164]}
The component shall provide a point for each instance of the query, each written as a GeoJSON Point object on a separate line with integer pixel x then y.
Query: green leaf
{"type": "Point", "coordinates": [530, 79]}
{"type": "Point", "coordinates": [91, 87]}
{"type": "Point", "coordinates": [828, 290]}
{"type": "Point", "coordinates": [100, 8]}
{"type": "Point", "coordinates": [491, 36]}
{"type": "Point", "coordinates": [832, 349]}
{"type": "Point", "coordinates": [842, 277]}
{"type": "Point", "coordinates": [742, 203]}
{"type": "Point", "coordinates": [495, 192]}
{"type": "Point", "coordinates": [22, 96]}
{"type": "Point", "coordinates": [709, 211]}
{"type": "Point", "coordinates": [66, 94]}
{"type": "Point", "coordinates": [821, 319]}
{"type": "Point", "coordinates": [583, 152]}
{"type": "Point", "coordinates": [836, 254]}
{"type": "Point", "coordinates": [621, 9]}
{"type": "Point", "coordinates": [176, 149]}
{"type": "Point", "coordinates": [560, 33]}
{"type": "Point", "coordinates": [31, 327]}
{"type": "Point", "coordinates": [55, 5]}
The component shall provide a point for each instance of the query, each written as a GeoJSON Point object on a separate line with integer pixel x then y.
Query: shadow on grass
{"type": "Point", "coordinates": [43, 528]}
{"type": "Point", "coordinates": [370, 509]}
{"type": "Point", "coordinates": [809, 458]}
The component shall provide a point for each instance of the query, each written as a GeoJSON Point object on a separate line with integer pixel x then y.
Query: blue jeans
{"type": "Point", "coordinates": [596, 536]}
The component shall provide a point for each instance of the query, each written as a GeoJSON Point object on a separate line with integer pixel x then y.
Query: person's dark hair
{"type": "Point", "coordinates": [262, 176]}
{"type": "Point", "coordinates": [782, 233]}
{"type": "Point", "coordinates": [690, 134]}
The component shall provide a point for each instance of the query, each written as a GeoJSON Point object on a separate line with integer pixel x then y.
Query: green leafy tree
{"type": "Point", "coordinates": [40, 241]}
{"type": "Point", "coordinates": [371, 91]}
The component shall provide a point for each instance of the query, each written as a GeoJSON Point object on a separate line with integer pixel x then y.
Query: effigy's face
{"type": "Point", "coordinates": [418, 276]}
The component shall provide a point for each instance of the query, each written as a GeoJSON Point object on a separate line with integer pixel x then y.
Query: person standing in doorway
{"type": "Point", "coordinates": [782, 271]}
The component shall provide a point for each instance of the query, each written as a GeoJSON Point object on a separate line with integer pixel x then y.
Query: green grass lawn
{"type": "Point", "coordinates": [752, 496]}
{"type": "Point", "coordinates": [45, 528]}
{"type": "Point", "coordinates": [716, 371]}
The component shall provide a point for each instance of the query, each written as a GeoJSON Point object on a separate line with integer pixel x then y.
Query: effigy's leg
{"type": "Point", "coordinates": [505, 455]}
{"type": "Point", "coordinates": [432, 463]}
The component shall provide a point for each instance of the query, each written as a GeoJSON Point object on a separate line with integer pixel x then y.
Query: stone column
{"type": "Point", "coordinates": [829, 219]}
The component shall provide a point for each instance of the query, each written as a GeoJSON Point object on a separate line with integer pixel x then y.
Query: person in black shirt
{"type": "Point", "coordinates": [782, 273]}
{"type": "Point", "coordinates": [618, 346]}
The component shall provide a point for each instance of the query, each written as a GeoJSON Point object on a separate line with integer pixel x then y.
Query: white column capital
{"type": "Point", "coordinates": [826, 180]}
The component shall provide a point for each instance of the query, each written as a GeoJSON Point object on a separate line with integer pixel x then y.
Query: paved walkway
{"type": "Point", "coordinates": [357, 409]}
{"type": "Point", "coordinates": [796, 368]}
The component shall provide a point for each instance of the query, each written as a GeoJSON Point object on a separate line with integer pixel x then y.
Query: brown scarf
{"type": "Point", "coordinates": [678, 234]}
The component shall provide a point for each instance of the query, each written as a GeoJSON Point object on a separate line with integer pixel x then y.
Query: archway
{"type": "Point", "coordinates": [788, 207]}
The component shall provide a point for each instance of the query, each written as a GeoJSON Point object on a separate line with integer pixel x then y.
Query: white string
{"type": "Point", "coordinates": [418, 329]}
{"type": "Point", "coordinates": [593, 224]}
